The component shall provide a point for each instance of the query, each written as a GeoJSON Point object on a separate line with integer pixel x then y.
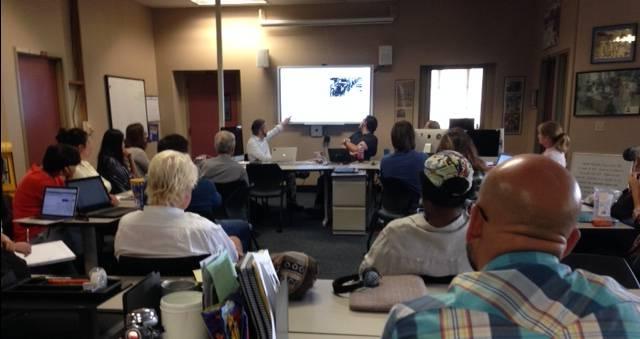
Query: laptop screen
{"type": "Point", "coordinates": [503, 157]}
{"type": "Point", "coordinates": [59, 201]}
{"type": "Point", "coordinates": [92, 194]}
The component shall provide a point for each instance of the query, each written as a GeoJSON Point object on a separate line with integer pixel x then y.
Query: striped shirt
{"type": "Point", "coordinates": [521, 295]}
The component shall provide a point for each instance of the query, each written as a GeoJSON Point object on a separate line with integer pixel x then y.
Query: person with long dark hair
{"type": "Point", "coordinates": [80, 139]}
{"type": "Point", "coordinates": [135, 143]}
{"type": "Point", "coordinates": [114, 162]}
{"type": "Point", "coordinates": [458, 140]}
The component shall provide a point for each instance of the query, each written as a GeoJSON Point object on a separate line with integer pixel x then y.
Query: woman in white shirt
{"type": "Point", "coordinates": [79, 139]}
{"type": "Point", "coordinates": [554, 140]}
{"type": "Point", "coordinates": [163, 229]}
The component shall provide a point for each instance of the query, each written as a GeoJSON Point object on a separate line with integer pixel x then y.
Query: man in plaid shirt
{"type": "Point", "coordinates": [523, 222]}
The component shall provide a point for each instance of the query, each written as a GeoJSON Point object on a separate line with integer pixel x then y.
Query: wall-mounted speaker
{"type": "Point", "coordinates": [385, 55]}
{"type": "Point", "coordinates": [262, 58]}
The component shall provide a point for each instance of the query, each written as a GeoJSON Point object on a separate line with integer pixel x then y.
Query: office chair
{"type": "Point", "coordinates": [267, 181]}
{"type": "Point", "coordinates": [235, 197]}
{"type": "Point", "coordinates": [614, 267]}
{"type": "Point", "coordinates": [177, 267]}
{"type": "Point", "coordinates": [398, 201]}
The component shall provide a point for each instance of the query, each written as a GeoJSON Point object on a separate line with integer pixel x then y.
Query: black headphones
{"type": "Point", "coordinates": [370, 278]}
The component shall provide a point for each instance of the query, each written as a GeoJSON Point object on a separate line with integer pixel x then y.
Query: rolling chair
{"type": "Point", "coordinates": [176, 267]}
{"type": "Point", "coordinates": [614, 267]}
{"type": "Point", "coordinates": [398, 201]}
{"type": "Point", "coordinates": [267, 181]}
{"type": "Point", "coordinates": [235, 197]}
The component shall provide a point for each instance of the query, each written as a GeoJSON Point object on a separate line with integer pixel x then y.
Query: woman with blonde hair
{"type": "Point", "coordinates": [163, 229]}
{"type": "Point", "coordinates": [554, 140]}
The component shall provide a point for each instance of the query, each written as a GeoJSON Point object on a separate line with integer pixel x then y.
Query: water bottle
{"type": "Point", "coordinates": [360, 155]}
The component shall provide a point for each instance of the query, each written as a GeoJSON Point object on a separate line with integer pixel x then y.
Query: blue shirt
{"type": "Point", "coordinates": [204, 197]}
{"type": "Point", "coordinates": [404, 166]}
{"type": "Point", "coordinates": [521, 295]}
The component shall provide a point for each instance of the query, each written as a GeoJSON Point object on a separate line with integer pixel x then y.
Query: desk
{"type": "Point", "coordinates": [88, 230]}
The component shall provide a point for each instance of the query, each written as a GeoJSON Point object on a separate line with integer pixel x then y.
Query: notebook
{"type": "Point", "coordinates": [284, 154]}
{"type": "Point", "coordinates": [58, 203]}
{"type": "Point", "coordinates": [93, 199]}
{"type": "Point", "coordinates": [48, 253]}
{"type": "Point", "coordinates": [339, 155]}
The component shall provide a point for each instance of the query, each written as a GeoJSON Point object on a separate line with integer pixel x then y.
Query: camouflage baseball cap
{"type": "Point", "coordinates": [450, 172]}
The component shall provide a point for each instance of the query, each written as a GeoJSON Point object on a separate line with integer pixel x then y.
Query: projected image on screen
{"type": "Point", "coordinates": [324, 94]}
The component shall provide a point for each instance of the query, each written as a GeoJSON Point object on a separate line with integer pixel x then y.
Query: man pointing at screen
{"type": "Point", "coordinates": [258, 145]}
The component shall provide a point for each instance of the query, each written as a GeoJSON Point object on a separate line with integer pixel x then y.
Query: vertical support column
{"type": "Point", "coordinates": [220, 64]}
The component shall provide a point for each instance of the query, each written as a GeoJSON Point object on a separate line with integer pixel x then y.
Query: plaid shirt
{"type": "Point", "coordinates": [521, 295]}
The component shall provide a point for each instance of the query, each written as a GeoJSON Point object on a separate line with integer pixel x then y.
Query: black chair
{"type": "Point", "coordinates": [235, 198]}
{"type": "Point", "coordinates": [398, 201]}
{"type": "Point", "coordinates": [267, 181]}
{"type": "Point", "coordinates": [615, 267]}
{"type": "Point", "coordinates": [177, 267]}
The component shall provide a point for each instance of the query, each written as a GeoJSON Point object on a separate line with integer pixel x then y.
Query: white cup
{"type": "Point", "coordinates": [181, 315]}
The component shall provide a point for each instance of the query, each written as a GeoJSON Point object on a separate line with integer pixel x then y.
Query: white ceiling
{"type": "Point", "coordinates": [188, 3]}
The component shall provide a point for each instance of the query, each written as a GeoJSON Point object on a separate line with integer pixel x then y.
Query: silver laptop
{"type": "Point", "coordinates": [58, 203]}
{"type": "Point", "coordinates": [284, 154]}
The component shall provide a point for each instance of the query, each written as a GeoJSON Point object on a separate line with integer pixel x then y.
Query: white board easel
{"type": "Point", "coordinates": [126, 102]}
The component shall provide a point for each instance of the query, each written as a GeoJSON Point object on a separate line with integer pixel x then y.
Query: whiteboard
{"type": "Point", "coordinates": [126, 102]}
{"type": "Point", "coordinates": [600, 170]}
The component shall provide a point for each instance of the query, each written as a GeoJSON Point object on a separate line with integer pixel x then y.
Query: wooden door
{"type": "Point", "coordinates": [202, 92]}
{"type": "Point", "coordinates": [40, 101]}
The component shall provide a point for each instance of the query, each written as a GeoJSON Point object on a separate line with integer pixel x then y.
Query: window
{"type": "Point", "coordinates": [455, 93]}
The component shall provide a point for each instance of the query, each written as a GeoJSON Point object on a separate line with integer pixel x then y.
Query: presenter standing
{"type": "Point", "coordinates": [258, 145]}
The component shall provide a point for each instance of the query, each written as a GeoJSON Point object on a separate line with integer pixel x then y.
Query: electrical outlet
{"type": "Point", "coordinates": [599, 126]}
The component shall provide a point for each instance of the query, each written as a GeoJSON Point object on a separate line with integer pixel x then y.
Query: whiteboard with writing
{"type": "Point", "coordinates": [600, 170]}
{"type": "Point", "coordinates": [127, 102]}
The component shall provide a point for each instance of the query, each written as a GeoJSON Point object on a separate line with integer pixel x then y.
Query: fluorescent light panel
{"type": "Point", "coordinates": [229, 2]}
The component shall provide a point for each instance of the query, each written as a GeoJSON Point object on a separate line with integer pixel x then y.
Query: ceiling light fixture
{"type": "Point", "coordinates": [230, 2]}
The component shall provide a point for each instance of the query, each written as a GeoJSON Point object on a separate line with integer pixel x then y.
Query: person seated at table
{"type": "Point", "coordinates": [79, 139]}
{"type": "Point", "coordinates": [520, 228]}
{"type": "Point", "coordinates": [627, 207]}
{"type": "Point", "coordinates": [258, 145]}
{"type": "Point", "coordinates": [59, 163]}
{"type": "Point", "coordinates": [458, 140]}
{"type": "Point", "coordinates": [404, 163]}
{"type": "Point", "coordinates": [554, 140]}
{"type": "Point", "coordinates": [164, 229]}
{"type": "Point", "coordinates": [363, 139]}
{"type": "Point", "coordinates": [432, 124]}
{"type": "Point", "coordinates": [114, 163]}
{"type": "Point", "coordinates": [222, 168]}
{"type": "Point", "coordinates": [136, 143]}
{"type": "Point", "coordinates": [432, 242]}
{"type": "Point", "coordinates": [205, 197]}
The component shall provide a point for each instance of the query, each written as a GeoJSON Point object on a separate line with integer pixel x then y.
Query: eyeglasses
{"type": "Point", "coordinates": [482, 213]}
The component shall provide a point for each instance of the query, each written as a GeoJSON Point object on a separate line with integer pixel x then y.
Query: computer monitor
{"type": "Point", "coordinates": [464, 123]}
{"type": "Point", "coordinates": [428, 140]}
{"type": "Point", "coordinates": [487, 141]}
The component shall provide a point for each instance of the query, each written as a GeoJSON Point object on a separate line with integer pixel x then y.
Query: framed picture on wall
{"type": "Point", "coordinates": [404, 97]}
{"type": "Point", "coordinates": [612, 92]}
{"type": "Point", "coordinates": [513, 104]}
{"type": "Point", "coordinates": [551, 23]}
{"type": "Point", "coordinates": [614, 44]}
{"type": "Point", "coordinates": [8, 169]}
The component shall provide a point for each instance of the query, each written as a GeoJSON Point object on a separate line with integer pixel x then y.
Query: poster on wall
{"type": "Point", "coordinates": [614, 43]}
{"type": "Point", "coordinates": [551, 24]}
{"type": "Point", "coordinates": [513, 104]}
{"type": "Point", "coordinates": [405, 94]}
{"type": "Point", "coordinates": [613, 92]}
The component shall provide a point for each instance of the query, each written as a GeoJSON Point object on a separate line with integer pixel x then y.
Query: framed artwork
{"type": "Point", "coordinates": [404, 97]}
{"type": "Point", "coordinates": [614, 44]}
{"type": "Point", "coordinates": [8, 169]}
{"type": "Point", "coordinates": [551, 24]}
{"type": "Point", "coordinates": [612, 92]}
{"type": "Point", "coordinates": [513, 104]}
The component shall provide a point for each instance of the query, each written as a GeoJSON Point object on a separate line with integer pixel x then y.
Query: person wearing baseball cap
{"type": "Point", "coordinates": [627, 207]}
{"type": "Point", "coordinates": [431, 242]}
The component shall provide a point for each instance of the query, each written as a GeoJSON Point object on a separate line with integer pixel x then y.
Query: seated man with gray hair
{"type": "Point", "coordinates": [163, 229]}
{"type": "Point", "coordinates": [222, 168]}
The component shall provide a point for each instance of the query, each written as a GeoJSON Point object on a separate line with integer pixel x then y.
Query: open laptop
{"type": "Point", "coordinates": [93, 199]}
{"type": "Point", "coordinates": [502, 158]}
{"type": "Point", "coordinates": [58, 203]}
{"type": "Point", "coordinates": [284, 154]}
{"type": "Point", "coordinates": [340, 155]}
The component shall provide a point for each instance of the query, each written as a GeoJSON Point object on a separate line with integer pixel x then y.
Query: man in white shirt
{"type": "Point", "coordinates": [258, 145]}
{"type": "Point", "coordinates": [163, 229]}
{"type": "Point", "coordinates": [432, 242]}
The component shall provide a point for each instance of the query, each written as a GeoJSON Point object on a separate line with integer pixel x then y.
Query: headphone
{"type": "Point", "coordinates": [350, 283]}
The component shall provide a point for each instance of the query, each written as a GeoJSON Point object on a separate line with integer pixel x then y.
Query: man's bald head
{"type": "Point", "coordinates": [530, 204]}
